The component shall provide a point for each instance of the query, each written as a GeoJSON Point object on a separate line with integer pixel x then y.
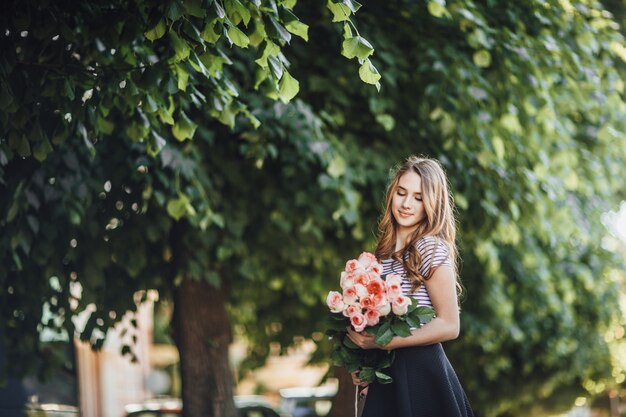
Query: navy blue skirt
{"type": "Point", "coordinates": [424, 385]}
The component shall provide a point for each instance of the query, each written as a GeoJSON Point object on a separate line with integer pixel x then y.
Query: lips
{"type": "Point", "coordinates": [404, 214]}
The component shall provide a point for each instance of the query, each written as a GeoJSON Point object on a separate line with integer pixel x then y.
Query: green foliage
{"type": "Point", "coordinates": [150, 61]}
{"type": "Point", "coordinates": [100, 184]}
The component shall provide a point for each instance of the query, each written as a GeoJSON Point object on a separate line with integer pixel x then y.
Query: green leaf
{"type": "Point", "coordinates": [69, 89]}
{"type": "Point", "coordinates": [288, 87]}
{"type": "Point", "coordinates": [386, 121]}
{"type": "Point", "coordinates": [269, 49]}
{"type": "Point", "coordinates": [181, 47]}
{"type": "Point", "coordinates": [166, 117]}
{"type": "Point", "coordinates": [437, 8]}
{"type": "Point", "coordinates": [401, 328]}
{"type": "Point", "coordinates": [337, 166]}
{"type": "Point", "coordinates": [482, 58]}
{"type": "Point", "coordinates": [182, 75]}
{"type": "Point", "coordinates": [385, 334]}
{"type": "Point", "coordinates": [356, 47]}
{"type": "Point", "coordinates": [353, 5]}
{"type": "Point", "coordinates": [6, 97]}
{"type": "Point", "coordinates": [367, 374]}
{"type": "Point", "coordinates": [340, 11]}
{"type": "Point", "coordinates": [347, 342]}
{"type": "Point", "coordinates": [383, 378]}
{"type": "Point", "coordinates": [23, 147]}
{"type": "Point", "coordinates": [194, 8]}
{"type": "Point", "coordinates": [42, 149]}
{"type": "Point", "coordinates": [184, 128]}
{"type": "Point", "coordinates": [178, 207]}
{"type": "Point", "coordinates": [238, 37]}
{"type": "Point", "coordinates": [368, 73]}
{"type": "Point", "coordinates": [275, 30]}
{"type": "Point", "coordinates": [209, 34]}
{"type": "Point", "coordinates": [174, 11]}
{"type": "Point", "coordinates": [155, 143]}
{"type": "Point", "coordinates": [157, 31]}
{"type": "Point", "coordinates": [237, 12]}
{"type": "Point", "coordinates": [299, 29]}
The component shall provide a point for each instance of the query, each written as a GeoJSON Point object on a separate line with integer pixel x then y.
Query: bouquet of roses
{"type": "Point", "coordinates": [373, 303]}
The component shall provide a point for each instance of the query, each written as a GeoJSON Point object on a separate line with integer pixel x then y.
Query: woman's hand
{"type": "Point", "coordinates": [363, 340]}
{"type": "Point", "coordinates": [357, 381]}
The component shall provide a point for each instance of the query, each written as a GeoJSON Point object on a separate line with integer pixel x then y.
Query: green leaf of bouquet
{"type": "Point", "coordinates": [423, 314]}
{"type": "Point", "coordinates": [156, 32]}
{"type": "Point", "coordinates": [385, 334]}
{"type": "Point", "coordinates": [288, 87]}
{"type": "Point", "coordinates": [383, 378]}
{"type": "Point", "coordinates": [368, 73]}
{"type": "Point", "coordinates": [340, 11]}
{"type": "Point", "coordinates": [401, 328]}
{"type": "Point", "coordinates": [367, 374]}
{"type": "Point", "coordinates": [413, 321]}
{"type": "Point", "coordinates": [347, 342]}
{"type": "Point", "coordinates": [356, 46]}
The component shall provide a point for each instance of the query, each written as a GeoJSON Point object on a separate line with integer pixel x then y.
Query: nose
{"type": "Point", "coordinates": [406, 202]}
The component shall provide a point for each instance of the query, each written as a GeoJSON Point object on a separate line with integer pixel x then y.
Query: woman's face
{"type": "Point", "coordinates": [406, 205]}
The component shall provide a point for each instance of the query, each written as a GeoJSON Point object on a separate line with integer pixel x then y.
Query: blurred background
{"type": "Point", "coordinates": [181, 183]}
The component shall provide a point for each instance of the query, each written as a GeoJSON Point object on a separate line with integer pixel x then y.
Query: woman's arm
{"type": "Point", "coordinates": [445, 326]}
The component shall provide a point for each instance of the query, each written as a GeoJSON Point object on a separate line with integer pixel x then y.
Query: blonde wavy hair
{"type": "Point", "coordinates": [438, 222]}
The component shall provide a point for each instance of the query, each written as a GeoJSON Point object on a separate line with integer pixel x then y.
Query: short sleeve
{"type": "Point", "coordinates": [433, 253]}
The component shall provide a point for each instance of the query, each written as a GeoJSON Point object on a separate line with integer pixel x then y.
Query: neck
{"type": "Point", "coordinates": [402, 237]}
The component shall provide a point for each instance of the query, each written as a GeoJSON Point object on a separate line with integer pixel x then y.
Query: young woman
{"type": "Point", "coordinates": [417, 241]}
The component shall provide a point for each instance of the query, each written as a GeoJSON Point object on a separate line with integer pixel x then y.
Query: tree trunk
{"type": "Point", "coordinates": [343, 403]}
{"type": "Point", "coordinates": [203, 333]}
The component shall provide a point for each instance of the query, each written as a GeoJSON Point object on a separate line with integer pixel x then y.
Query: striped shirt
{"type": "Point", "coordinates": [433, 253]}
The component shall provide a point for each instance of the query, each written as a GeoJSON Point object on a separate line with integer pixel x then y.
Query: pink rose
{"type": "Point", "coordinates": [361, 290]}
{"type": "Point", "coordinates": [334, 300]}
{"type": "Point", "coordinates": [347, 279]}
{"type": "Point", "coordinates": [368, 302]}
{"type": "Point", "coordinates": [353, 309]}
{"type": "Point", "coordinates": [393, 290]}
{"type": "Point", "coordinates": [372, 317]}
{"type": "Point", "coordinates": [384, 309]}
{"type": "Point", "coordinates": [393, 285]}
{"type": "Point", "coordinates": [376, 286]}
{"type": "Point", "coordinates": [358, 321]}
{"type": "Point", "coordinates": [362, 278]}
{"type": "Point", "coordinates": [375, 268]}
{"type": "Point", "coordinates": [393, 279]}
{"type": "Point", "coordinates": [350, 296]}
{"type": "Point", "coordinates": [352, 265]}
{"type": "Point", "coordinates": [373, 275]}
{"type": "Point", "coordinates": [400, 305]}
{"type": "Point", "coordinates": [366, 259]}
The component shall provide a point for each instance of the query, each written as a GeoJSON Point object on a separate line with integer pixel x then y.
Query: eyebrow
{"type": "Point", "coordinates": [399, 186]}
